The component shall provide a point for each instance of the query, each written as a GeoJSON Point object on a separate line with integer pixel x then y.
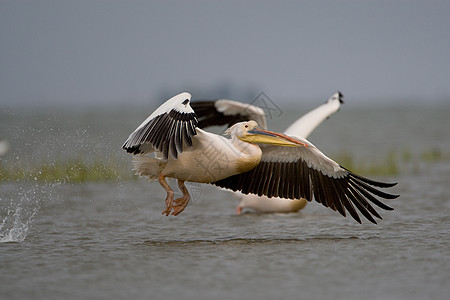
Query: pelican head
{"type": "Point", "coordinates": [240, 129]}
{"type": "Point", "coordinates": [250, 133]}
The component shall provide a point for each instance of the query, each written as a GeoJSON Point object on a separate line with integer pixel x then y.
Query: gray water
{"type": "Point", "coordinates": [108, 240]}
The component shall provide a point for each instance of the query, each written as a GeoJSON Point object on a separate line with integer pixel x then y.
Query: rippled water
{"type": "Point", "coordinates": [108, 240]}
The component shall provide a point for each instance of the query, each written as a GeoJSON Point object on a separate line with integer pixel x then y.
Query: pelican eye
{"type": "Point", "coordinates": [246, 126]}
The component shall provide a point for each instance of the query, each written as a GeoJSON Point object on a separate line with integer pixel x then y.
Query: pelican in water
{"type": "Point", "coordinates": [229, 112]}
{"type": "Point", "coordinates": [253, 160]}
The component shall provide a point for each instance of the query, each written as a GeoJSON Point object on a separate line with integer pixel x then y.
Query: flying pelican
{"type": "Point", "coordinates": [224, 111]}
{"type": "Point", "coordinates": [253, 160]}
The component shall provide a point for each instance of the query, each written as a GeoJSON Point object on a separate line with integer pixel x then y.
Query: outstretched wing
{"type": "Point", "coordinates": [308, 122]}
{"type": "Point", "coordinates": [227, 112]}
{"type": "Point", "coordinates": [305, 172]}
{"type": "Point", "coordinates": [167, 130]}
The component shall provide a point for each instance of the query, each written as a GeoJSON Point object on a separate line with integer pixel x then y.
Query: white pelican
{"type": "Point", "coordinates": [224, 111]}
{"type": "Point", "coordinates": [253, 161]}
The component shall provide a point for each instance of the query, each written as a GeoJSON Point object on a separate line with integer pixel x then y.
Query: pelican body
{"type": "Point", "coordinates": [188, 153]}
{"type": "Point", "coordinates": [252, 160]}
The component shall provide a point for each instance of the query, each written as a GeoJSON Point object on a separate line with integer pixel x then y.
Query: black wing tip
{"type": "Point", "coordinates": [376, 183]}
{"type": "Point", "coordinates": [357, 219]}
{"type": "Point", "coordinates": [133, 150]}
{"type": "Point", "coordinates": [340, 97]}
{"type": "Point", "coordinates": [371, 220]}
{"type": "Point", "coordinates": [389, 184]}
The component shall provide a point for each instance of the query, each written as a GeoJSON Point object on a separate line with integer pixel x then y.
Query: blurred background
{"type": "Point", "coordinates": [82, 75]}
{"type": "Point", "coordinates": [140, 52]}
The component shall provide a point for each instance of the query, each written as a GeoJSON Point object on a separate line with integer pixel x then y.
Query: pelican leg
{"type": "Point", "coordinates": [170, 193]}
{"type": "Point", "coordinates": [181, 203]}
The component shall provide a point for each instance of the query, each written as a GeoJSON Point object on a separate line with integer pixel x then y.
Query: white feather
{"type": "Point", "coordinates": [174, 103]}
{"type": "Point", "coordinates": [308, 122]}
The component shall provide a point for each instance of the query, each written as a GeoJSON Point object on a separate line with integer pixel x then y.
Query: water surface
{"type": "Point", "coordinates": [108, 240]}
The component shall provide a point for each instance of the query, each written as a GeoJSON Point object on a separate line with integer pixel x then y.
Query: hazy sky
{"type": "Point", "coordinates": [109, 51]}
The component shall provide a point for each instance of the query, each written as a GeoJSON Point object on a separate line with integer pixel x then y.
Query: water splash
{"type": "Point", "coordinates": [19, 229]}
{"type": "Point", "coordinates": [17, 217]}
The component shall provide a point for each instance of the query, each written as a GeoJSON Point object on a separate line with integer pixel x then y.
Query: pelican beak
{"type": "Point", "coordinates": [261, 136]}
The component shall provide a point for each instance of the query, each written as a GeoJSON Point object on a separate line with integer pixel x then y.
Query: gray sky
{"type": "Point", "coordinates": [111, 52]}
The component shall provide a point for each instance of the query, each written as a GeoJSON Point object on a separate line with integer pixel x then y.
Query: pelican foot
{"type": "Point", "coordinates": [169, 203]}
{"type": "Point", "coordinates": [180, 204]}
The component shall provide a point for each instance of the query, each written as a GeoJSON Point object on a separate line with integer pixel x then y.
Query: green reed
{"type": "Point", "coordinates": [393, 162]}
{"type": "Point", "coordinates": [78, 169]}
{"type": "Point", "coordinates": [72, 170]}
